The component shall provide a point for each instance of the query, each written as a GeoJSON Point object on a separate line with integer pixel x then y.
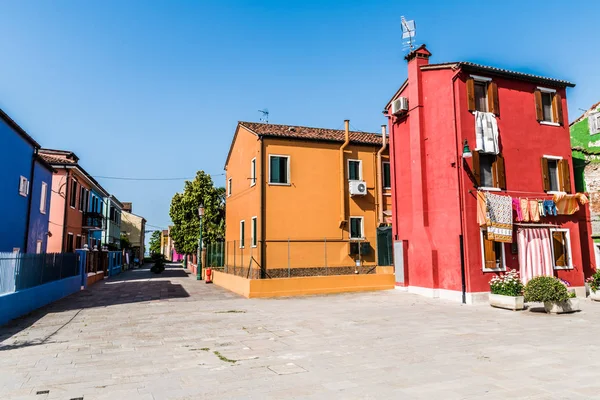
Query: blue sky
{"type": "Point", "coordinates": [154, 89]}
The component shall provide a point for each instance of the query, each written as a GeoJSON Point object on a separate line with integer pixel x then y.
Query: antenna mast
{"type": "Point", "coordinates": [409, 30]}
{"type": "Point", "coordinates": [265, 115]}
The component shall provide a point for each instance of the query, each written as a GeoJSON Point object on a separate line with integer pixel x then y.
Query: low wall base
{"type": "Point", "coordinates": [91, 279]}
{"type": "Point", "coordinates": [314, 285]}
{"type": "Point", "coordinates": [14, 305]}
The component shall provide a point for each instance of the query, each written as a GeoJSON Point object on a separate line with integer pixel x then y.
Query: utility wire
{"type": "Point", "coordinates": [150, 179]}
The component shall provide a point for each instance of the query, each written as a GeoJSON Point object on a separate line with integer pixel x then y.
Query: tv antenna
{"type": "Point", "coordinates": [409, 30]}
{"type": "Point", "coordinates": [265, 115]}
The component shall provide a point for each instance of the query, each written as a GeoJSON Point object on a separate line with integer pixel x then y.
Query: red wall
{"type": "Point", "coordinates": [425, 151]}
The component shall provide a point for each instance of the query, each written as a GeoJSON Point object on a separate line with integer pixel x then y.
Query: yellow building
{"type": "Point", "coordinates": [306, 201]}
{"type": "Point", "coordinates": [166, 244]}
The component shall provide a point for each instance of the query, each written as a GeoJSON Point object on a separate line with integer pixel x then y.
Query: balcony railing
{"type": "Point", "coordinates": [93, 220]}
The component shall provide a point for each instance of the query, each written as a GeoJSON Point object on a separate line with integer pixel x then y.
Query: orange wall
{"type": "Point", "coordinates": [308, 209]}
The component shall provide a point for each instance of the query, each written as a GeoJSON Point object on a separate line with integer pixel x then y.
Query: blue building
{"type": "Point", "coordinates": [18, 152]}
{"type": "Point", "coordinates": [39, 210]}
{"type": "Point", "coordinates": [96, 207]}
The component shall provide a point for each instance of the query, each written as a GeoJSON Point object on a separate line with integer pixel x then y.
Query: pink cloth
{"type": "Point", "coordinates": [535, 254]}
{"type": "Point", "coordinates": [517, 207]}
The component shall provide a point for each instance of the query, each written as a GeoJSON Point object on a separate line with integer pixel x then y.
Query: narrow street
{"type": "Point", "coordinates": [143, 336]}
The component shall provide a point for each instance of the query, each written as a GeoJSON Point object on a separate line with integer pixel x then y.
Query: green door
{"type": "Point", "coordinates": [385, 255]}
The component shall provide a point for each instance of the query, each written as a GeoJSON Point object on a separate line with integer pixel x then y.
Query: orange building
{"type": "Point", "coordinates": [306, 201]}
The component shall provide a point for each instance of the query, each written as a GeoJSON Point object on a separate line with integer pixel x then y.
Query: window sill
{"type": "Point", "coordinates": [254, 246]}
{"type": "Point", "coordinates": [253, 184]}
{"type": "Point", "coordinates": [563, 268]}
{"type": "Point", "coordinates": [494, 269]}
{"type": "Point", "coordinates": [22, 195]}
{"type": "Point", "coordinates": [555, 192]}
{"type": "Point", "coordinates": [357, 239]}
{"type": "Point", "coordinates": [279, 184]}
{"type": "Point", "coordinates": [489, 189]}
{"type": "Point", "coordinates": [549, 123]}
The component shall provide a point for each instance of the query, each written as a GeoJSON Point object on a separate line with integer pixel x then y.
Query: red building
{"type": "Point", "coordinates": [441, 249]}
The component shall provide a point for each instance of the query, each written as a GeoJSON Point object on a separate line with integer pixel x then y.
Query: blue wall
{"type": "Point", "coordinates": [99, 208]}
{"type": "Point", "coordinates": [38, 222]}
{"type": "Point", "coordinates": [16, 155]}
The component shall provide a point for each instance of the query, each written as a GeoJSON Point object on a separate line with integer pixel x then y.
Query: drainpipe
{"type": "Point", "coordinates": [67, 187]}
{"type": "Point", "coordinates": [263, 244]}
{"type": "Point", "coordinates": [380, 175]}
{"type": "Point", "coordinates": [29, 199]}
{"type": "Point", "coordinates": [342, 180]}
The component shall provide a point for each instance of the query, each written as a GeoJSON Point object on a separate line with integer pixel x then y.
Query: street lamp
{"type": "Point", "coordinates": [199, 269]}
{"type": "Point", "coordinates": [466, 151]}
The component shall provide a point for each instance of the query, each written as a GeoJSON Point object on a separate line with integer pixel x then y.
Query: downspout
{"type": "Point", "coordinates": [380, 175]}
{"type": "Point", "coordinates": [342, 180]}
{"type": "Point", "coordinates": [263, 238]}
{"type": "Point", "coordinates": [67, 192]}
{"type": "Point", "coordinates": [29, 200]}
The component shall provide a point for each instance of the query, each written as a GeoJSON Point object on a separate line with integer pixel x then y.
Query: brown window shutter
{"type": "Point", "coordinates": [489, 251]}
{"type": "Point", "coordinates": [499, 173]}
{"type": "Point", "coordinates": [565, 176]}
{"type": "Point", "coordinates": [557, 108]}
{"type": "Point", "coordinates": [558, 243]}
{"type": "Point", "coordinates": [471, 94]}
{"type": "Point", "coordinates": [492, 94]}
{"type": "Point", "coordinates": [538, 105]}
{"type": "Point", "coordinates": [545, 174]}
{"type": "Point", "coordinates": [476, 169]}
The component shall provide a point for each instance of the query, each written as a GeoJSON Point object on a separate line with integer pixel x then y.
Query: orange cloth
{"type": "Point", "coordinates": [534, 211]}
{"type": "Point", "coordinates": [524, 210]}
{"type": "Point", "coordinates": [567, 204]}
{"type": "Point", "coordinates": [482, 214]}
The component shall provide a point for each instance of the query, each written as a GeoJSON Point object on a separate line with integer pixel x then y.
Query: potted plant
{"type": "Point", "coordinates": [594, 284]}
{"type": "Point", "coordinates": [553, 293]}
{"type": "Point", "coordinates": [507, 291]}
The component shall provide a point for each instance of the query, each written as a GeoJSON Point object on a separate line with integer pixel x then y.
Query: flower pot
{"type": "Point", "coordinates": [507, 302]}
{"type": "Point", "coordinates": [595, 295]}
{"type": "Point", "coordinates": [561, 307]}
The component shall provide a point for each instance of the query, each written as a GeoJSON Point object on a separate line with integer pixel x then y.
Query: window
{"type": "Point", "coordinates": [488, 170]}
{"type": "Point", "coordinates": [78, 242]}
{"type": "Point", "coordinates": [387, 178]}
{"type": "Point", "coordinates": [556, 175]}
{"type": "Point", "coordinates": [561, 248]}
{"type": "Point", "coordinates": [242, 233]}
{"type": "Point", "coordinates": [253, 172]}
{"type": "Point", "coordinates": [482, 94]}
{"type": "Point", "coordinates": [279, 170]}
{"type": "Point", "coordinates": [548, 106]}
{"type": "Point", "coordinates": [253, 231]}
{"type": "Point", "coordinates": [229, 187]}
{"type": "Point", "coordinates": [356, 228]}
{"type": "Point", "coordinates": [493, 257]}
{"type": "Point", "coordinates": [69, 242]}
{"type": "Point", "coordinates": [354, 170]}
{"type": "Point", "coordinates": [73, 194]}
{"type": "Point", "coordinates": [81, 198]}
{"type": "Point", "coordinates": [594, 123]}
{"type": "Point", "coordinates": [38, 247]}
{"type": "Point", "coordinates": [23, 186]}
{"type": "Point", "coordinates": [43, 197]}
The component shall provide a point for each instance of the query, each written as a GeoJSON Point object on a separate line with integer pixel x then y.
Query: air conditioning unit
{"type": "Point", "coordinates": [400, 106]}
{"type": "Point", "coordinates": [358, 188]}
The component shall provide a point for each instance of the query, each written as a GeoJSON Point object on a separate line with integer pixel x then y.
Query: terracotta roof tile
{"type": "Point", "coordinates": [308, 133]}
{"type": "Point", "coordinates": [54, 159]}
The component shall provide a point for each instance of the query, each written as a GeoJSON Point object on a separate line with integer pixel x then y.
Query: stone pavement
{"type": "Point", "coordinates": [142, 336]}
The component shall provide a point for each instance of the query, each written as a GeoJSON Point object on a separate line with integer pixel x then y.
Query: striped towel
{"type": "Point", "coordinates": [500, 213]}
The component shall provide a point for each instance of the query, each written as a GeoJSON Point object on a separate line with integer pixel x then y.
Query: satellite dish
{"type": "Point", "coordinates": [409, 30]}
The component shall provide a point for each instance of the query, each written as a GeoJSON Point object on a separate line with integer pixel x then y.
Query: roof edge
{"type": "Point", "coordinates": [11, 122]}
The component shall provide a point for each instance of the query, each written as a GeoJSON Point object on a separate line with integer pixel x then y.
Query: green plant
{"type": "Point", "coordinates": [572, 295]}
{"type": "Point", "coordinates": [159, 263]}
{"type": "Point", "coordinates": [223, 358]}
{"type": "Point", "coordinates": [508, 284]}
{"type": "Point", "coordinates": [594, 281]}
{"type": "Point", "coordinates": [545, 289]}
{"type": "Point", "coordinates": [155, 242]}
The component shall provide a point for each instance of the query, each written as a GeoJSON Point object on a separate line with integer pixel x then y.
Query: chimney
{"type": "Point", "coordinates": [127, 207]}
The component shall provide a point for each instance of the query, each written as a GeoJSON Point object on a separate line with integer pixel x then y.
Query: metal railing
{"type": "Point", "coordinates": [92, 220]}
{"type": "Point", "coordinates": [19, 271]}
{"type": "Point", "coordinates": [215, 254]}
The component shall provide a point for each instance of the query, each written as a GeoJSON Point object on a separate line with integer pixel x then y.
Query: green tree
{"type": "Point", "coordinates": [125, 242]}
{"type": "Point", "coordinates": [155, 243]}
{"type": "Point", "coordinates": [184, 214]}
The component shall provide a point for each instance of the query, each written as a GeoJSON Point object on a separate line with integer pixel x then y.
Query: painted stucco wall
{"type": "Point", "coordinates": [60, 188]}
{"type": "Point", "coordinates": [17, 155]}
{"type": "Point", "coordinates": [38, 220]}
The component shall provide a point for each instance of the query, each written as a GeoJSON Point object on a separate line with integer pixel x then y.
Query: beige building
{"type": "Point", "coordinates": [134, 226]}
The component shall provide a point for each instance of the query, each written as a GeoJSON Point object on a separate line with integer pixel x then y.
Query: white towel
{"type": "Point", "coordinates": [486, 133]}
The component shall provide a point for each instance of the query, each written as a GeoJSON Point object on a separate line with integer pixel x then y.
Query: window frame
{"type": "Point", "coordinates": [73, 199]}
{"type": "Point", "coordinates": [568, 253]}
{"type": "Point", "coordinates": [558, 174]}
{"type": "Point", "coordinates": [482, 232]}
{"type": "Point", "coordinates": [81, 198]}
{"type": "Point", "coordinates": [38, 246]}
{"type": "Point", "coordinates": [43, 198]}
{"type": "Point", "coordinates": [552, 93]}
{"type": "Point", "coordinates": [498, 171]}
{"type": "Point", "coordinates": [253, 172]}
{"type": "Point", "coordinates": [360, 171]}
{"type": "Point", "coordinates": [288, 178]}
{"type": "Point", "coordinates": [229, 187]}
{"type": "Point", "coordinates": [383, 164]}
{"type": "Point", "coordinates": [253, 231]}
{"type": "Point", "coordinates": [23, 186]}
{"type": "Point", "coordinates": [594, 119]}
{"type": "Point", "coordinates": [70, 242]}
{"type": "Point", "coordinates": [242, 233]}
{"type": "Point", "coordinates": [362, 228]}
{"type": "Point", "coordinates": [477, 79]}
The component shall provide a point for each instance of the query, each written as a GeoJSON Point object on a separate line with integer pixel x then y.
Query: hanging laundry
{"type": "Point", "coordinates": [486, 133]}
{"type": "Point", "coordinates": [550, 208]}
{"type": "Point", "coordinates": [534, 211]}
{"type": "Point", "coordinates": [500, 214]}
{"type": "Point", "coordinates": [541, 208]}
{"type": "Point", "coordinates": [482, 212]}
{"type": "Point", "coordinates": [524, 203]}
{"type": "Point", "coordinates": [517, 207]}
{"type": "Point", "coordinates": [566, 204]}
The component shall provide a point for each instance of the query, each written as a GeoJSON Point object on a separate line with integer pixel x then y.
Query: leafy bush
{"type": "Point", "coordinates": [159, 263]}
{"type": "Point", "coordinates": [594, 281]}
{"type": "Point", "coordinates": [508, 284]}
{"type": "Point", "coordinates": [546, 288]}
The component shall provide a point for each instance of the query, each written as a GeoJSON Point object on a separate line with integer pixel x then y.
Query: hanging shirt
{"type": "Point", "coordinates": [567, 204]}
{"type": "Point", "coordinates": [524, 204]}
{"type": "Point", "coordinates": [534, 211]}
